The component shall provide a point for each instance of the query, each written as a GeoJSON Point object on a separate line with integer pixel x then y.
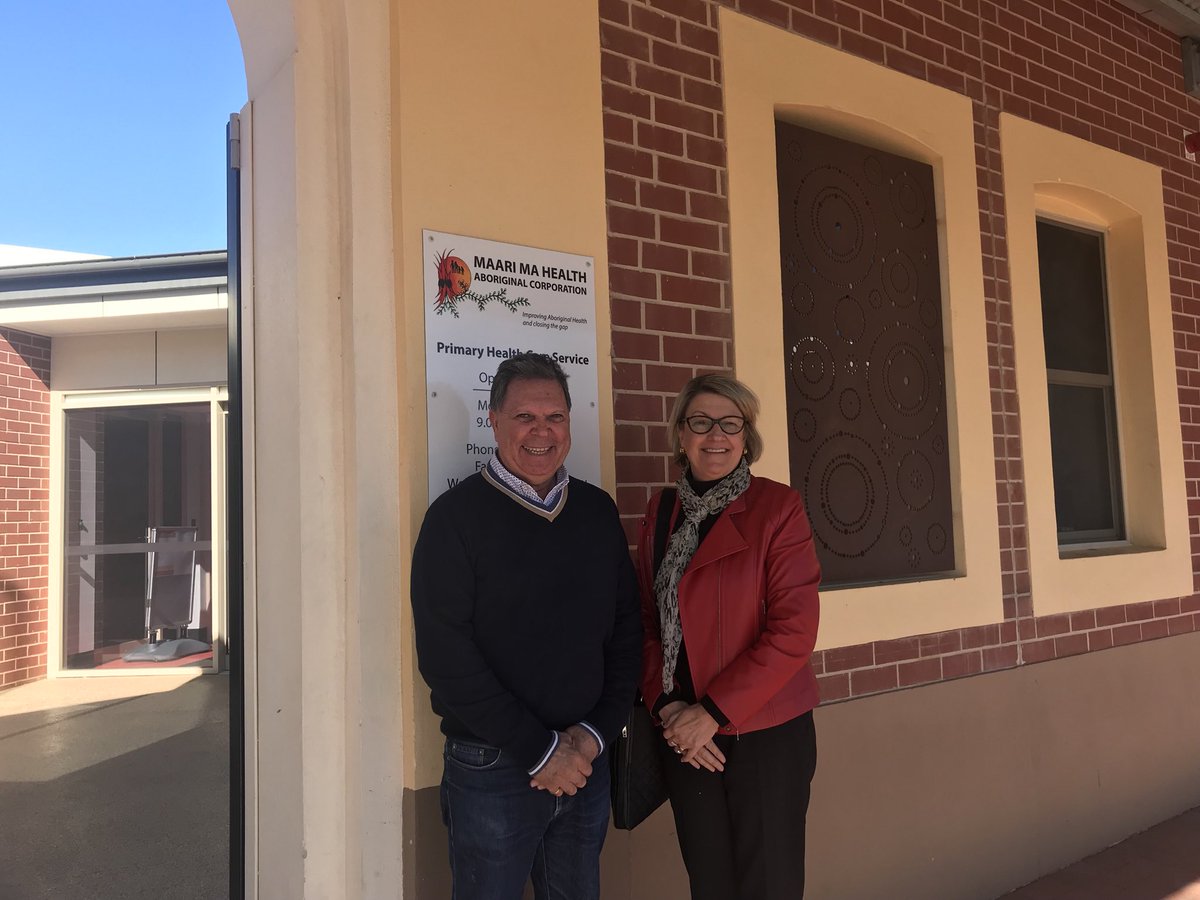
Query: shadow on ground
{"type": "Point", "coordinates": [1162, 863]}
{"type": "Point", "coordinates": [145, 813]}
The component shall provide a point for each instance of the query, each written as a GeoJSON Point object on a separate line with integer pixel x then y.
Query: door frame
{"type": "Point", "coordinates": [216, 396]}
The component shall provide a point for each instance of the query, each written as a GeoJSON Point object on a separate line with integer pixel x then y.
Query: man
{"type": "Point", "coordinates": [528, 633]}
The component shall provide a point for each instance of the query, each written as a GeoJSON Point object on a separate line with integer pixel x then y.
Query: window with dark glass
{"type": "Point", "coordinates": [1083, 432]}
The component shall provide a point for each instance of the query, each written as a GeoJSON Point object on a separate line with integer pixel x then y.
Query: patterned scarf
{"type": "Point", "coordinates": [680, 550]}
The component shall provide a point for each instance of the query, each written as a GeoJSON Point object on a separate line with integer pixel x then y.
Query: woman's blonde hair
{"type": "Point", "coordinates": [723, 386]}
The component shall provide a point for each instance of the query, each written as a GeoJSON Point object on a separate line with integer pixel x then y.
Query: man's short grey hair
{"type": "Point", "coordinates": [530, 366]}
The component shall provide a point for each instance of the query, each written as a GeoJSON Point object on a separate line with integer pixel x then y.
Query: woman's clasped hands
{"type": "Point", "coordinates": [689, 729]}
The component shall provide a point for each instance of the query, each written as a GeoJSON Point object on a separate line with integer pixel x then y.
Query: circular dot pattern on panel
{"type": "Point", "coordinates": [935, 538]}
{"type": "Point", "coordinates": [914, 480]}
{"type": "Point", "coordinates": [801, 299]}
{"type": "Point", "coordinates": [929, 314]}
{"type": "Point", "coordinates": [863, 320]}
{"type": "Point", "coordinates": [900, 278]}
{"type": "Point", "coordinates": [849, 319]}
{"type": "Point", "coordinates": [908, 201]}
{"type": "Point", "coordinates": [850, 404]}
{"type": "Point", "coordinates": [834, 226]}
{"type": "Point", "coordinates": [904, 381]}
{"type": "Point", "coordinates": [812, 368]}
{"type": "Point", "coordinates": [849, 485]}
{"type": "Point", "coordinates": [804, 425]}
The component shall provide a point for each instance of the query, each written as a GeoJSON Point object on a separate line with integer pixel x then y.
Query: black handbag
{"type": "Point", "coordinates": [638, 783]}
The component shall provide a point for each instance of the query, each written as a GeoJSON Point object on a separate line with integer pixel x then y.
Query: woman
{"type": "Point", "coordinates": [730, 612]}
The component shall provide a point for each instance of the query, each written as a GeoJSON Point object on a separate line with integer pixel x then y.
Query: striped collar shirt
{"type": "Point", "coordinates": [524, 493]}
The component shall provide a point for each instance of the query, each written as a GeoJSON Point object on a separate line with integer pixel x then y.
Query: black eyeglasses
{"type": "Point", "coordinates": [700, 424]}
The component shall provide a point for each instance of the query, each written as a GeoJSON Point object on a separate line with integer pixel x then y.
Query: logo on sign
{"type": "Point", "coordinates": [454, 288]}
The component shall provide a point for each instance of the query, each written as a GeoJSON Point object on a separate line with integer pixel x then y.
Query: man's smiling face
{"type": "Point", "coordinates": [533, 431]}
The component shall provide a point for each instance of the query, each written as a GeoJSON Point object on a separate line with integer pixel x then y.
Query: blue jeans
{"type": "Point", "coordinates": [504, 833]}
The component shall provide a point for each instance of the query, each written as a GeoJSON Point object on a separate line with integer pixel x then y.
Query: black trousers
{"type": "Point", "coordinates": [741, 831]}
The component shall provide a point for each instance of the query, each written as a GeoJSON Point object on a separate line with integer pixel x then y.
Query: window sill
{"type": "Point", "coordinates": [1103, 548]}
{"type": "Point", "coordinates": [884, 582]}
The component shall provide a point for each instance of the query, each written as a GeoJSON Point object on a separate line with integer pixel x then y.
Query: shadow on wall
{"type": "Point", "coordinates": [34, 351]}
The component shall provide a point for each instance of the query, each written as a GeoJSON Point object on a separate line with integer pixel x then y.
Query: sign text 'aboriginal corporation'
{"type": "Point", "coordinates": [485, 302]}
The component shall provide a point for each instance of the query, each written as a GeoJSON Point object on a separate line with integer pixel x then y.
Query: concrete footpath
{"type": "Point", "coordinates": [1162, 863]}
{"type": "Point", "coordinates": [115, 788]}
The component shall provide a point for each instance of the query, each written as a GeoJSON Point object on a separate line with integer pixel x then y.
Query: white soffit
{"type": "Point", "coordinates": [186, 290]}
{"type": "Point", "coordinates": [86, 314]}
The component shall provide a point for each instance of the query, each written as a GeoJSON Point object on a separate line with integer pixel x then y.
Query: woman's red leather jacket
{"type": "Point", "coordinates": [748, 607]}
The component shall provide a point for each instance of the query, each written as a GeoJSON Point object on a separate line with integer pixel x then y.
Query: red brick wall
{"type": "Point", "coordinates": [1087, 67]}
{"type": "Point", "coordinates": [24, 505]}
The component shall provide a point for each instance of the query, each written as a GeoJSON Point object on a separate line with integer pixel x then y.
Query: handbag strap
{"type": "Point", "coordinates": [662, 531]}
{"type": "Point", "coordinates": [662, 526]}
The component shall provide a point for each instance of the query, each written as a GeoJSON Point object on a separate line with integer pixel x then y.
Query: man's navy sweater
{"type": "Point", "coordinates": [525, 626]}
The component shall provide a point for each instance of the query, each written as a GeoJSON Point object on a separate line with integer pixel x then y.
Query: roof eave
{"type": "Point", "coordinates": [1182, 17]}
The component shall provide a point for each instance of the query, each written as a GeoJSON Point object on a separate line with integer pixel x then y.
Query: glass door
{"type": "Point", "coordinates": [138, 561]}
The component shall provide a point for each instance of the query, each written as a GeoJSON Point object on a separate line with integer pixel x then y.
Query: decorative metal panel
{"type": "Point", "coordinates": [862, 326]}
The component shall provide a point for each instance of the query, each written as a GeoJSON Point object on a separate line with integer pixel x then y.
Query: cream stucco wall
{"type": "Point", "coordinates": [498, 136]}
{"type": "Point", "coordinates": [322, 517]}
{"type": "Point", "coordinates": [367, 122]}
{"type": "Point", "coordinates": [769, 73]}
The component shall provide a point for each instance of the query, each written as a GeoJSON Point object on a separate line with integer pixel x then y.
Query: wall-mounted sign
{"type": "Point", "coordinates": [484, 302]}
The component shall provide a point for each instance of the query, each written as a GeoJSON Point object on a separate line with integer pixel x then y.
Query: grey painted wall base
{"type": "Point", "coordinates": [971, 788]}
{"type": "Point", "coordinates": [426, 864]}
{"type": "Point", "coordinates": [964, 789]}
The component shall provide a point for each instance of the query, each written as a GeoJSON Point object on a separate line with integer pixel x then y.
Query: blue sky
{"type": "Point", "coordinates": [114, 124]}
